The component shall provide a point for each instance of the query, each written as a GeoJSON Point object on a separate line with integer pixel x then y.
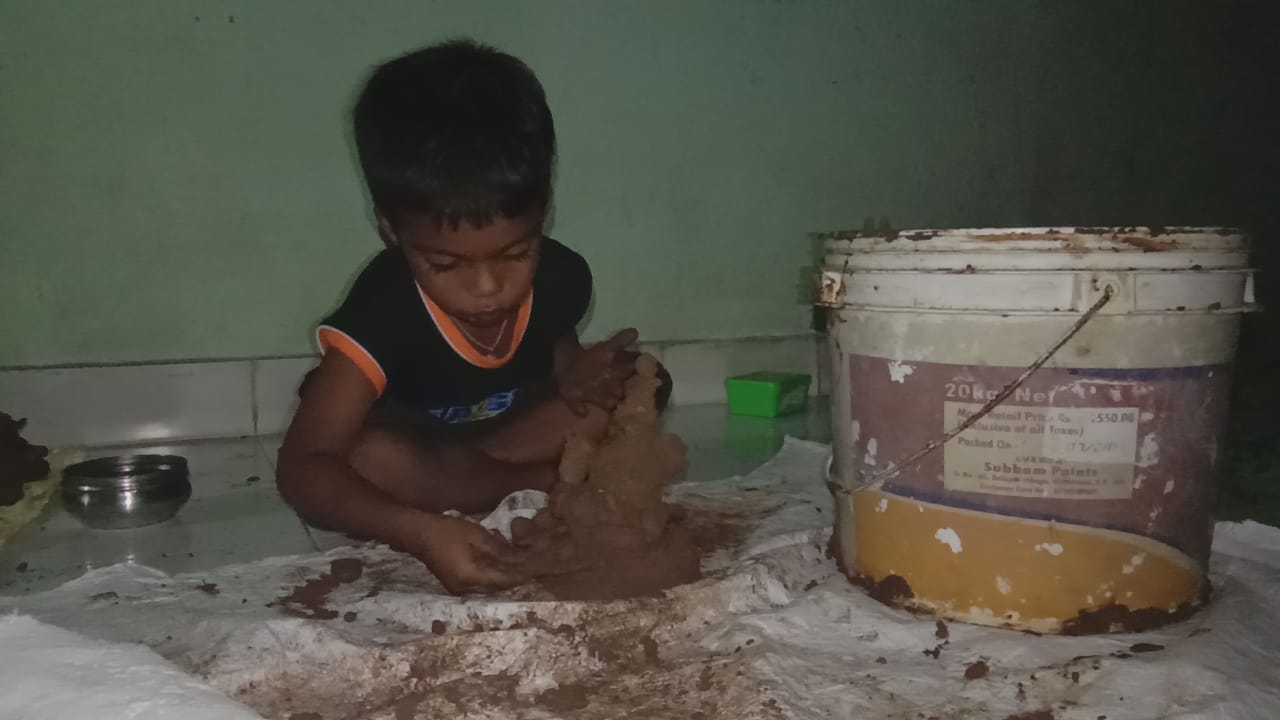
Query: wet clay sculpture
{"type": "Point", "coordinates": [606, 532]}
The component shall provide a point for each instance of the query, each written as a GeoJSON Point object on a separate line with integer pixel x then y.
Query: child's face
{"type": "Point", "coordinates": [478, 275]}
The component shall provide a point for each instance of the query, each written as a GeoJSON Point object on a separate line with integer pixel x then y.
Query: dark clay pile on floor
{"type": "Point", "coordinates": [20, 461]}
{"type": "Point", "coordinates": [606, 533]}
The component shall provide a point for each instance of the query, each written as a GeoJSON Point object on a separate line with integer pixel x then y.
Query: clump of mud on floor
{"type": "Point", "coordinates": [891, 590]}
{"type": "Point", "coordinates": [606, 532]}
{"type": "Point", "coordinates": [20, 461]}
{"type": "Point", "coordinates": [308, 599]}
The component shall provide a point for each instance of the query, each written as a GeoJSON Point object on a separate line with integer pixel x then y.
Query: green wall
{"type": "Point", "coordinates": [176, 180]}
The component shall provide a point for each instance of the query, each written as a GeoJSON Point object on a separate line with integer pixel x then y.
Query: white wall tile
{"type": "Point", "coordinates": [275, 391]}
{"type": "Point", "coordinates": [699, 369]}
{"type": "Point", "coordinates": [120, 405]}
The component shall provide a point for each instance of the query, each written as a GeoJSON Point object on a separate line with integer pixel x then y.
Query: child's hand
{"type": "Point", "coordinates": [595, 376]}
{"type": "Point", "coordinates": [465, 557]}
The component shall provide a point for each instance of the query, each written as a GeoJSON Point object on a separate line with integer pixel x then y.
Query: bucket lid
{"type": "Point", "coordinates": [1163, 248]}
{"type": "Point", "coordinates": [1006, 270]}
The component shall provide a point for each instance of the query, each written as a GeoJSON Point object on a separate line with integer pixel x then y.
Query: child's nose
{"type": "Point", "coordinates": [485, 281]}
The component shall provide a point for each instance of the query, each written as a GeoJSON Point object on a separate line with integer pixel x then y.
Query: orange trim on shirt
{"type": "Point", "coordinates": [334, 339]}
{"type": "Point", "coordinates": [458, 341]}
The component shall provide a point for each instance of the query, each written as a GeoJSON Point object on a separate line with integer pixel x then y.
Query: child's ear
{"type": "Point", "coordinates": [386, 231]}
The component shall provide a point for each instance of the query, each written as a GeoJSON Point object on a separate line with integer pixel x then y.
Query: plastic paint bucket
{"type": "Point", "coordinates": [1080, 502]}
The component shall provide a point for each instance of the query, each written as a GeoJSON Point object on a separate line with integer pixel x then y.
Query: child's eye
{"type": "Point", "coordinates": [439, 264]}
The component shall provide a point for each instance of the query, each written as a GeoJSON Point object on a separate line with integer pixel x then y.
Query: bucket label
{"type": "Point", "coordinates": [1042, 452]}
{"type": "Point", "coordinates": [1127, 449]}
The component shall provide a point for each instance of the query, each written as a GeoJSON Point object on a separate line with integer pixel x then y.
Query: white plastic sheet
{"type": "Point", "coordinates": [774, 631]}
{"type": "Point", "coordinates": [54, 674]}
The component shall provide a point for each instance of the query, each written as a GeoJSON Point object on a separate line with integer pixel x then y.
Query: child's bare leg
{"type": "Point", "coordinates": [536, 434]}
{"type": "Point", "coordinates": [438, 475]}
{"type": "Point", "coordinates": [474, 474]}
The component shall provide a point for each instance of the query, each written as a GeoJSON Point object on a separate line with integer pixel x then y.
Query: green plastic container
{"type": "Point", "coordinates": [767, 394]}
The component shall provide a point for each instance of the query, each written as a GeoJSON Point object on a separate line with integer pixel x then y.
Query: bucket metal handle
{"type": "Point", "coordinates": [878, 478]}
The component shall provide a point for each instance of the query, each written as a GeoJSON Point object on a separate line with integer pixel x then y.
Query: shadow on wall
{"type": "Point", "coordinates": [1111, 156]}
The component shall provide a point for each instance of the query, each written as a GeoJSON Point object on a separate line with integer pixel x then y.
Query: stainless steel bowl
{"type": "Point", "coordinates": [126, 491]}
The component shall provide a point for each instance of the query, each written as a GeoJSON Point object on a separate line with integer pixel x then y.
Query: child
{"type": "Point", "coordinates": [452, 373]}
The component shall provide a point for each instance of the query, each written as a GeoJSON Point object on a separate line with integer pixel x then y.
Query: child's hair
{"type": "Point", "coordinates": [457, 131]}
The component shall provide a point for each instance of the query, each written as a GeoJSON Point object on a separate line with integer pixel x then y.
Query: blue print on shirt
{"type": "Point", "coordinates": [491, 406]}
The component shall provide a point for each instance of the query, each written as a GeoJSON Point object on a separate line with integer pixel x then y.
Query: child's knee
{"type": "Point", "coordinates": [386, 458]}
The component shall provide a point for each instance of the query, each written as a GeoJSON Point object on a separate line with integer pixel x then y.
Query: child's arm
{"type": "Point", "coordinates": [315, 476]}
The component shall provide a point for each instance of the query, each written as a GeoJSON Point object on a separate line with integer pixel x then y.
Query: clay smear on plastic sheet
{"type": "Point", "coordinates": [771, 631]}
